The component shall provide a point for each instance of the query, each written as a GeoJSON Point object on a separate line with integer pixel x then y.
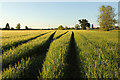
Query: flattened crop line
{"type": "Point", "coordinates": [104, 57]}
{"type": "Point", "coordinates": [62, 35]}
{"type": "Point", "coordinates": [72, 69]}
{"type": "Point", "coordinates": [15, 44]}
{"type": "Point", "coordinates": [92, 43]}
{"type": "Point", "coordinates": [54, 62]}
{"type": "Point", "coordinates": [20, 52]}
{"type": "Point", "coordinates": [31, 71]}
{"type": "Point", "coordinates": [47, 44]}
{"type": "Point", "coordinates": [38, 60]}
{"type": "Point", "coordinates": [15, 36]}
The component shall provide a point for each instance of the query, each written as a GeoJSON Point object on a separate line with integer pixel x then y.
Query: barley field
{"type": "Point", "coordinates": [60, 54]}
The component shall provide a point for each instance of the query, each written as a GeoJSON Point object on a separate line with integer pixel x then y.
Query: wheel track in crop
{"type": "Point", "coordinates": [15, 36]}
{"type": "Point", "coordinates": [102, 49]}
{"type": "Point", "coordinates": [96, 46]}
{"type": "Point", "coordinates": [33, 73]}
{"type": "Point", "coordinates": [62, 35]}
{"type": "Point", "coordinates": [73, 70]}
{"type": "Point", "coordinates": [16, 44]}
{"type": "Point", "coordinates": [92, 43]}
{"type": "Point", "coordinates": [35, 50]}
{"type": "Point", "coordinates": [36, 62]}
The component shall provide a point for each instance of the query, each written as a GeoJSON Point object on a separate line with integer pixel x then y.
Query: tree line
{"type": "Point", "coordinates": [82, 22]}
{"type": "Point", "coordinates": [106, 20]}
{"type": "Point", "coordinates": [7, 27]}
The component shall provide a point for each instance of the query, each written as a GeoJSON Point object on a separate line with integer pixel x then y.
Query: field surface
{"type": "Point", "coordinates": [61, 54]}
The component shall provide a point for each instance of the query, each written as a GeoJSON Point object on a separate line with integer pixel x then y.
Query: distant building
{"type": "Point", "coordinates": [92, 26]}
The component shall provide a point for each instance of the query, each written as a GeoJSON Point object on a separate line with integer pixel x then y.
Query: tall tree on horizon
{"type": "Point", "coordinates": [18, 26]}
{"type": "Point", "coordinates": [60, 27]}
{"type": "Point", "coordinates": [106, 17]}
{"type": "Point", "coordinates": [119, 14]}
{"type": "Point", "coordinates": [26, 27]}
{"type": "Point", "coordinates": [66, 27]}
{"type": "Point", "coordinates": [7, 26]}
{"type": "Point", "coordinates": [77, 26]}
{"type": "Point", "coordinates": [84, 23]}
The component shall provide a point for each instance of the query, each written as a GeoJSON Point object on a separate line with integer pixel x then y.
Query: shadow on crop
{"type": "Point", "coordinates": [73, 68]}
{"type": "Point", "coordinates": [36, 63]}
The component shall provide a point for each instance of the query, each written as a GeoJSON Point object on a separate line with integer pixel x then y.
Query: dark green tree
{"type": "Point", "coordinates": [18, 26]}
{"type": "Point", "coordinates": [66, 27]}
{"type": "Point", "coordinates": [77, 26]}
{"type": "Point", "coordinates": [12, 28]}
{"type": "Point", "coordinates": [60, 27]}
{"type": "Point", "coordinates": [72, 28]}
{"type": "Point", "coordinates": [7, 26]}
{"type": "Point", "coordinates": [84, 23]}
{"type": "Point", "coordinates": [26, 27]}
{"type": "Point", "coordinates": [106, 17]}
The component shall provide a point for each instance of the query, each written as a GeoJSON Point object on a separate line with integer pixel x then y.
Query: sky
{"type": "Point", "coordinates": [119, 13]}
{"type": "Point", "coordinates": [50, 14]}
{"type": "Point", "coordinates": [59, 0]}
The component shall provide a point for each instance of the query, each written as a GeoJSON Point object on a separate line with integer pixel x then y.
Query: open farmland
{"type": "Point", "coordinates": [43, 54]}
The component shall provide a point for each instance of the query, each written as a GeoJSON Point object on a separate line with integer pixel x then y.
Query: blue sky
{"type": "Point", "coordinates": [50, 14]}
